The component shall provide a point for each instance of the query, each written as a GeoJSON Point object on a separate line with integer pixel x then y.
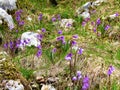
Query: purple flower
{"type": "Point", "coordinates": [6, 45]}
{"type": "Point", "coordinates": [87, 19]}
{"type": "Point", "coordinates": [85, 85]}
{"type": "Point", "coordinates": [107, 27]}
{"type": "Point", "coordinates": [60, 32]}
{"type": "Point", "coordinates": [98, 21]}
{"type": "Point", "coordinates": [116, 14]}
{"type": "Point", "coordinates": [39, 47]}
{"type": "Point", "coordinates": [78, 73]}
{"type": "Point", "coordinates": [17, 13]}
{"type": "Point", "coordinates": [43, 30]}
{"type": "Point", "coordinates": [74, 78]}
{"type": "Point", "coordinates": [40, 16]}
{"type": "Point", "coordinates": [40, 37]}
{"type": "Point", "coordinates": [73, 42]}
{"type": "Point", "coordinates": [83, 23]}
{"type": "Point", "coordinates": [21, 23]}
{"type": "Point", "coordinates": [93, 23]}
{"type": "Point", "coordinates": [68, 25]}
{"type": "Point", "coordinates": [39, 53]}
{"type": "Point", "coordinates": [59, 17]}
{"type": "Point", "coordinates": [75, 36]}
{"type": "Point", "coordinates": [110, 70]}
{"type": "Point", "coordinates": [17, 18]}
{"type": "Point", "coordinates": [54, 50]}
{"type": "Point", "coordinates": [94, 29]}
{"type": "Point", "coordinates": [60, 38]}
{"type": "Point", "coordinates": [11, 44]}
{"type": "Point", "coordinates": [53, 19]}
{"type": "Point", "coordinates": [80, 51]}
{"type": "Point", "coordinates": [79, 76]}
{"type": "Point", "coordinates": [68, 56]}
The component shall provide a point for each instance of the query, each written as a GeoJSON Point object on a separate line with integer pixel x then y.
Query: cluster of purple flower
{"type": "Point", "coordinates": [18, 17]}
{"type": "Point", "coordinates": [110, 70]}
{"type": "Point", "coordinates": [58, 17]}
{"type": "Point", "coordinates": [40, 16]}
{"type": "Point", "coordinates": [85, 21]}
{"type": "Point", "coordinates": [77, 77]}
{"type": "Point", "coordinates": [69, 56]}
{"type": "Point", "coordinates": [61, 38]}
{"type": "Point", "coordinates": [85, 81]}
{"type": "Point", "coordinates": [39, 52]}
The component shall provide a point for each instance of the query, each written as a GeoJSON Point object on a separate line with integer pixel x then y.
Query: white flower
{"type": "Point", "coordinates": [29, 18]}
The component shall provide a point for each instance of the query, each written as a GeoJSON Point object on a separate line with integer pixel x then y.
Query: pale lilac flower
{"type": "Point", "coordinates": [53, 19]}
{"type": "Point", "coordinates": [83, 23]}
{"type": "Point", "coordinates": [74, 78]}
{"type": "Point", "coordinates": [68, 25]}
{"type": "Point", "coordinates": [59, 17]}
{"type": "Point", "coordinates": [94, 29]}
{"type": "Point", "coordinates": [75, 36]}
{"type": "Point", "coordinates": [68, 56]}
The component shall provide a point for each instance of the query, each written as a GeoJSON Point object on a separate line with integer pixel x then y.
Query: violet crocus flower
{"type": "Point", "coordinates": [21, 23]}
{"type": "Point", "coordinates": [107, 27]}
{"type": "Point", "coordinates": [110, 70]}
{"type": "Point", "coordinates": [116, 14]}
{"type": "Point", "coordinates": [43, 30]}
{"type": "Point", "coordinates": [73, 42]}
{"type": "Point", "coordinates": [85, 85]}
{"type": "Point", "coordinates": [40, 37]}
{"type": "Point", "coordinates": [53, 19]}
{"type": "Point", "coordinates": [80, 51]}
{"type": "Point", "coordinates": [11, 44]}
{"type": "Point", "coordinates": [54, 50]}
{"type": "Point", "coordinates": [60, 32]}
{"type": "Point", "coordinates": [75, 36]}
{"type": "Point", "coordinates": [39, 47]}
{"type": "Point", "coordinates": [18, 12]}
{"type": "Point", "coordinates": [68, 56]}
{"type": "Point", "coordinates": [74, 78]}
{"type": "Point", "coordinates": [17, 18]}
{"type": "Point", "coordinates": [39, 53]}
{"type": "Point", "coordinates": [98, 21]}
{"type": "Point", "coordinates": [6, 45]}
{"type": "Point", "coordinates": [40, 16]}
